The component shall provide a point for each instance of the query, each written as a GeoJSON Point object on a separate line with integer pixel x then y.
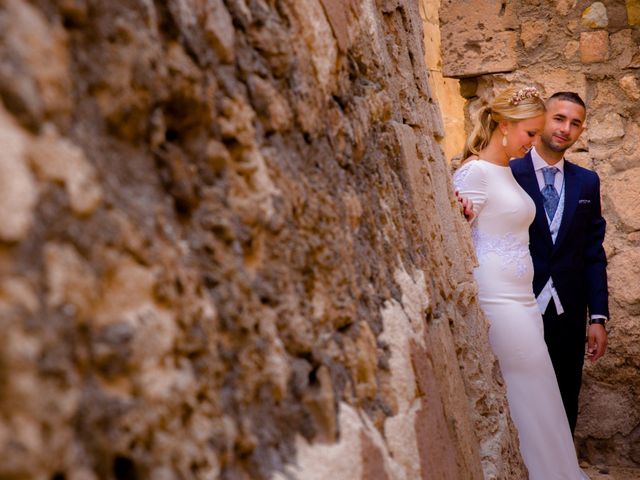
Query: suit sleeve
{"type": "Point", "coordinates": [595, 258]}
{"type": "Point", "coordinates": [470, 182]}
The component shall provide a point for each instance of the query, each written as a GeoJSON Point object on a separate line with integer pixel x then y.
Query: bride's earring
{"type": "Point", "coordinates": [504, 140]}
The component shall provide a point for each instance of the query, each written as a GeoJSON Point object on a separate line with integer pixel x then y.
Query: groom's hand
{"type": "Point", "coordinates": [596, 341]}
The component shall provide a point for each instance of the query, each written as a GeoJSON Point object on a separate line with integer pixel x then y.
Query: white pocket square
{"type": "Point", "coordinates": [584, 201]}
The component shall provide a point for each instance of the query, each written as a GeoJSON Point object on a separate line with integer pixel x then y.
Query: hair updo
{"type": "Point", "coordinates": [511, 105]}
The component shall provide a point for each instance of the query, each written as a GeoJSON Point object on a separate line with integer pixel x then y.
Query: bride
{"type": "Point", "coordinates": [502, 213]}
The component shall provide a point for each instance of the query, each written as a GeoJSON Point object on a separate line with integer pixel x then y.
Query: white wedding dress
{"type": "Point", "coordinates": [500, 230]}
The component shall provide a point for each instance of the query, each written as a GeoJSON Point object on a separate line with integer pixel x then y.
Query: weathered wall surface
{"type": "Point", "coordinates": [445, 90]}
{"type": "Point", "coordinates": [228, 249]}
{"type": "Point", "coordinates": [592, 48]}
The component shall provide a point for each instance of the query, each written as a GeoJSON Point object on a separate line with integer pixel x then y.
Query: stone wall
{"type": "Point", "coordinates": [592, 48]}
{"type": "Point", "coordinates": [229, 249]}
{"type": "Point", "coordinates": [445, 90]}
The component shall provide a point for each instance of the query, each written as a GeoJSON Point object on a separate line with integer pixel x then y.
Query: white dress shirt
{"type": "Point", "coordinates": [539, 164]}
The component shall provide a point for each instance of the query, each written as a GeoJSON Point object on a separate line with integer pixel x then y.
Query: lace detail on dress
{"type": "Point", "coordinates": [507, 247]}
{"type": "Point", "coordinates": [460, 175]}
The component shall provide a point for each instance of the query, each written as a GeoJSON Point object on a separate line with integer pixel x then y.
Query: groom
{"type": "Point", "coordinates": [566, 239]}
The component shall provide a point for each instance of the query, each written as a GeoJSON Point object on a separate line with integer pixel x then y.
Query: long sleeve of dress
{"type": "Point", "coordinates": [470, 181]}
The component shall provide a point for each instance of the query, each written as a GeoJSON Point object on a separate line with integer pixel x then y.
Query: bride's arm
{"type": "Point", "coordinates": [470, 184]}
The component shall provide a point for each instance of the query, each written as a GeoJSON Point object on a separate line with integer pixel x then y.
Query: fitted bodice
{"type": "Point", "coordinates": [503, 213]}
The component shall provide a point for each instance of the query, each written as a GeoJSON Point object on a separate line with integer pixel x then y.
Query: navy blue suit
{"type": "Point", "coordinates": [577, 264]}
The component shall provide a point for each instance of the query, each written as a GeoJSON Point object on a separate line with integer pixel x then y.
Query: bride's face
{"type": "Point", "coordinates": [522, 134]}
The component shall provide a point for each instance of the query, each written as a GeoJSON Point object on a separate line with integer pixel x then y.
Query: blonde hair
{"type": "Point", "coordinates": [511, 105]}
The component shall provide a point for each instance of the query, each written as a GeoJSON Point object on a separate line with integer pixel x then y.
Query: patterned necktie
{"type": "Point", "coordinates": [549, 193]}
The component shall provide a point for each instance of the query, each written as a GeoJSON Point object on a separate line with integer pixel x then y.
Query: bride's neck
{"type": "Point", "coordinates": [494, 153]}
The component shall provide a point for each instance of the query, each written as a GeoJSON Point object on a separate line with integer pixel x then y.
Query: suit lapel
{"type": "Point", "coordinates": [571, 194]}
{"type": "Point", "coordinates": [529, 182]}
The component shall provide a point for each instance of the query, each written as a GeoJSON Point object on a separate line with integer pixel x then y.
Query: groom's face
{"type": "Point", "coordinates": [564, 122]}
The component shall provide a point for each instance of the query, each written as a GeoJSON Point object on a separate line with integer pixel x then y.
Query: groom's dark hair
{"type": "Point", "coordinates": [569, 97]}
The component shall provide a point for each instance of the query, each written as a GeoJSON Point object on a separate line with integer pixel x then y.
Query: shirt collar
{"type": "Point", "coordinates": [539, 163]}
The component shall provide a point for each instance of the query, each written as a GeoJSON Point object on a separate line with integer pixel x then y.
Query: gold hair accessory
{"type": "Point", "coordinates": [523, 94]}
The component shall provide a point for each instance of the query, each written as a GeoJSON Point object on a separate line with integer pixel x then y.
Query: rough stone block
{"type": "Point", "coordinates": [571, 49]}
{"type": "Point", "coordinates": [70, 280]}
{"type": "Point", "coordinates": [594, 46]}
{"type": "Point", "coordinates": [617, 14]}
{"type": "Point", "coordinates": [605, 412]}
{"type": "Point", "coordinates": [623, 47]}
{"type": "Point", "coordinates": [219, 30]}
{"type": "Point", "coordinates": [631, 144]}
{"type": "Point", "coordinates": [484, 57]}
{"type": "Point", "coordinates": [595, 16]}
{"type": "Point", "coordinates": [321, 41]}
{"type": "Point", "coordinates": [270, 105]}
{"type": "Point", "coordinates": [35, 72]}
{"type": "Point", "coordinates": [563, 7]}
{"type": "Point", "coordinates": [533, 33]}
{"type": "Point", "coordinates": [629, 84]}
{"type": "Point", "coordinates": [610, 129]}
{"type": "Point", "coordinates": [59, 160]}
{"type": "Point", "coordinates": [339, 20]}
{"type": "Point", "coordinates": [605, 93]}
{"type": "Point", "coordinates": [573, 25]}
{"type": "Point", "coordinates": [623, 192]}
{"type": "Point", "coordinates": [551, 80]}
{"type": "Point", "coordinates": [582, 159]}
{"type": "Point", "coordinates": [361, 358]}
{"type": "Point", "coordinates": [478, 40]}
{"type": "Point", "coordinates": [18, 190]}
{"type": "Point", "coordinates": [633, 12]}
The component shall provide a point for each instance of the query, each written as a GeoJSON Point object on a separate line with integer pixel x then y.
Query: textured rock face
{"type": "Point", "coordinates": [591, 48]}
{"type": "Point", "coordinates": [445, 90]}
{"type": "Point", "coordinates": [488, 43]}
{"type": "Point", "coordinates": [229, 249]}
